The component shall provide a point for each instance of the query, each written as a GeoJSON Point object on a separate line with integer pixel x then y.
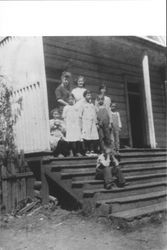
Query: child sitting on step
{"type": "Point", "coordinates": [108, 167]}
{"type": "Point", "coordinates": [58, 144]}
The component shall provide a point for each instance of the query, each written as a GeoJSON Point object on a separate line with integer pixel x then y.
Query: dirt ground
{"type": "Point", "coordinates": [64, 230]}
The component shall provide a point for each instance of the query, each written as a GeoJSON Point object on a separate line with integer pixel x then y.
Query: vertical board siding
{"type": "Point", "coordinates": [22, 61]}
{"type": "Point", "coordinates": [29, 128]}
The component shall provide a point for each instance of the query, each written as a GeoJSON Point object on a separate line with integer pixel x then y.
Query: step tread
{"type": "Point", "coordinates": [83, 164]}
{"type": "Point", "coordinates": [92, 171]}
{"type": "Point", "coordinates": [117, 189]}
{"type": "Point", "coordinates": [88, 162]}
{"type": "Point", "coordinates": [122, 150]}
{"type": "Point", "coordinates": [133, 198]}
{"type": "Point", "coordinates": [58, 159]}
{"type": "Point", "coordinates": [93, 164]}
{"type": "Point", "coordinates": [145, 154]}
{"type": "Point", "coordinates": [141, 211]}
{"type": "Point", "coordinates": [127, 178]}
{"type": "Point", "coordinates": [141, 160]}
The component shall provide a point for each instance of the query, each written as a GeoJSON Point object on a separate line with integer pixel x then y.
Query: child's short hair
{"type": "Point", "coordinates": [86, 92]}
{"type": "Point", "coordinates": [99, 97]}
{"type": "Point", "coordinates": [108, 146]}
{"type": "Point", "coordinates": [66, 74]}
{"type": "Point", "coordinates": [54, 110]}
{"type": "Point", "coordinates": [80, 77]}
{"type": "Point", "coordinates": [71, 96]}
{"type": "Point", "coordinates": [102, 86]}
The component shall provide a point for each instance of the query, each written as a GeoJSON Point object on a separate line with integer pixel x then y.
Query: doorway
{"type": "Point", "coordinates": [136, 115]}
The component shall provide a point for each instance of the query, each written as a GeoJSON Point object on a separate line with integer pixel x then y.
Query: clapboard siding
{"type": "Point", "coordinates": [159, 107]}
{"type": "Point", "coordinates": [96, 59]}
{"type": "Point", "coordinates": [102, 47]}
{"type": "Point", "coordinates": [96, 69]}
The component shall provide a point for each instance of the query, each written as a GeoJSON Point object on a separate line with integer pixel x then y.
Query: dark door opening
{"type": "Point", "coordinates": [136, 115]}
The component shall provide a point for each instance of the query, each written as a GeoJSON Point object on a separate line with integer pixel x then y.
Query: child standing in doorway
{"type": "Point", "coordinates": [89, 124]}
{"type": "Point", "coordinates": [117, 125]}
{"type": "Point", "coordinates": [72, 119]}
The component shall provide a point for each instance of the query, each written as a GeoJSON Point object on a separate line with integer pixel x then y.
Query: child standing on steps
{"type": "Point", "coordinates": [107, 100]}
{"type": "Point", "coordinates": [117, 125]}
{"type": "Point", "coordinates": [89, 124]}
{"type": "Point", "coordinates": [72, 119]}
{"type": "Point", "coordinates": [79, 90]}
{"type": "Point", "coordinates": [104, 119]}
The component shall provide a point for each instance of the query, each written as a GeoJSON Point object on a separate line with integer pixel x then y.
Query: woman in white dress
{"type": "Point", "coordinates": [79, 90]}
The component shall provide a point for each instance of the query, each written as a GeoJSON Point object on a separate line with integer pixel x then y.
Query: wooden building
{"type": "Point", "coordinates": [133, 68]}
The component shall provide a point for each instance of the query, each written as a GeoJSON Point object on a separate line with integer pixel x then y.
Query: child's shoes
{"type": "Point", "coordinates": [79, 155]}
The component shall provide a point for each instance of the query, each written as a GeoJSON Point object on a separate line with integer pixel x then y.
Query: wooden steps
{"type": "Point", "coordinates": [130, 202]}
{"type": "Point", "coordinates": [132, 179]}
{"type": "Point", "coordinates": [127, 171]}
{"type": "Point", "coordinates": [138, 213]}
{"type": "Point", "coordinates": [144, 170]}
{"type": "Point", "coordinates": [127, 190]}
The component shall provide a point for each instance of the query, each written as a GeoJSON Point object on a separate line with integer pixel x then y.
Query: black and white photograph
{"type": "Point", "coordinates": [83, 142]}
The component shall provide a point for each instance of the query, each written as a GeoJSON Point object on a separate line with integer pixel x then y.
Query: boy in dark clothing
{"type": "Point", "coordinates": [107, 167]}
{"type": "Point", "coordinates": [104, 119]}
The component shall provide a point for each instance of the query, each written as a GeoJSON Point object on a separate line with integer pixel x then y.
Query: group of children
{"type": "Point", "coordinates": [79, 127]}
{"type": "Point", "coordinates": [84, 128]}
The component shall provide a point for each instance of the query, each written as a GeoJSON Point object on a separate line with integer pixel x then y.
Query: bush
{"type": "Point", "coordinates": [7, 121]}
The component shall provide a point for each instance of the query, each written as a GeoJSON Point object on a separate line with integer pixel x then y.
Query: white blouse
{"type": "Point", "coordinates": [78, 93]}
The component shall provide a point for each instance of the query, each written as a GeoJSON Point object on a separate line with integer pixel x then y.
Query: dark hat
{"type": "Point", "coordinates": [66, 74]}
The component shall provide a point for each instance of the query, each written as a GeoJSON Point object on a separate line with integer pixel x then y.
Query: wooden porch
{"type": "Point", "coordinates": [72, 181]}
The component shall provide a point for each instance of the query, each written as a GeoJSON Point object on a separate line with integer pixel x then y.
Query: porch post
{"type": "Point", "coordinates": [148, 102]}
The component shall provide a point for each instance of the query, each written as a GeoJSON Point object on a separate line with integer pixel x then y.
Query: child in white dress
{"type": "Point", "coordinates": [79, 90]}
{"type": "Point", "coordinates": [89, 124]}
{"type": "Point", "coordinates": [72, 119]}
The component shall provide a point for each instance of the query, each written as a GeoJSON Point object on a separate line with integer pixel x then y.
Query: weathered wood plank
{"type": "Point", "coordinates": [45, 187]}
{"type": "Point", "coordinates": [4, 188]}
{"type": "Point", "coordinates": [30, 187]}
{"type": "Point", "coordinates": [13, 186]}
